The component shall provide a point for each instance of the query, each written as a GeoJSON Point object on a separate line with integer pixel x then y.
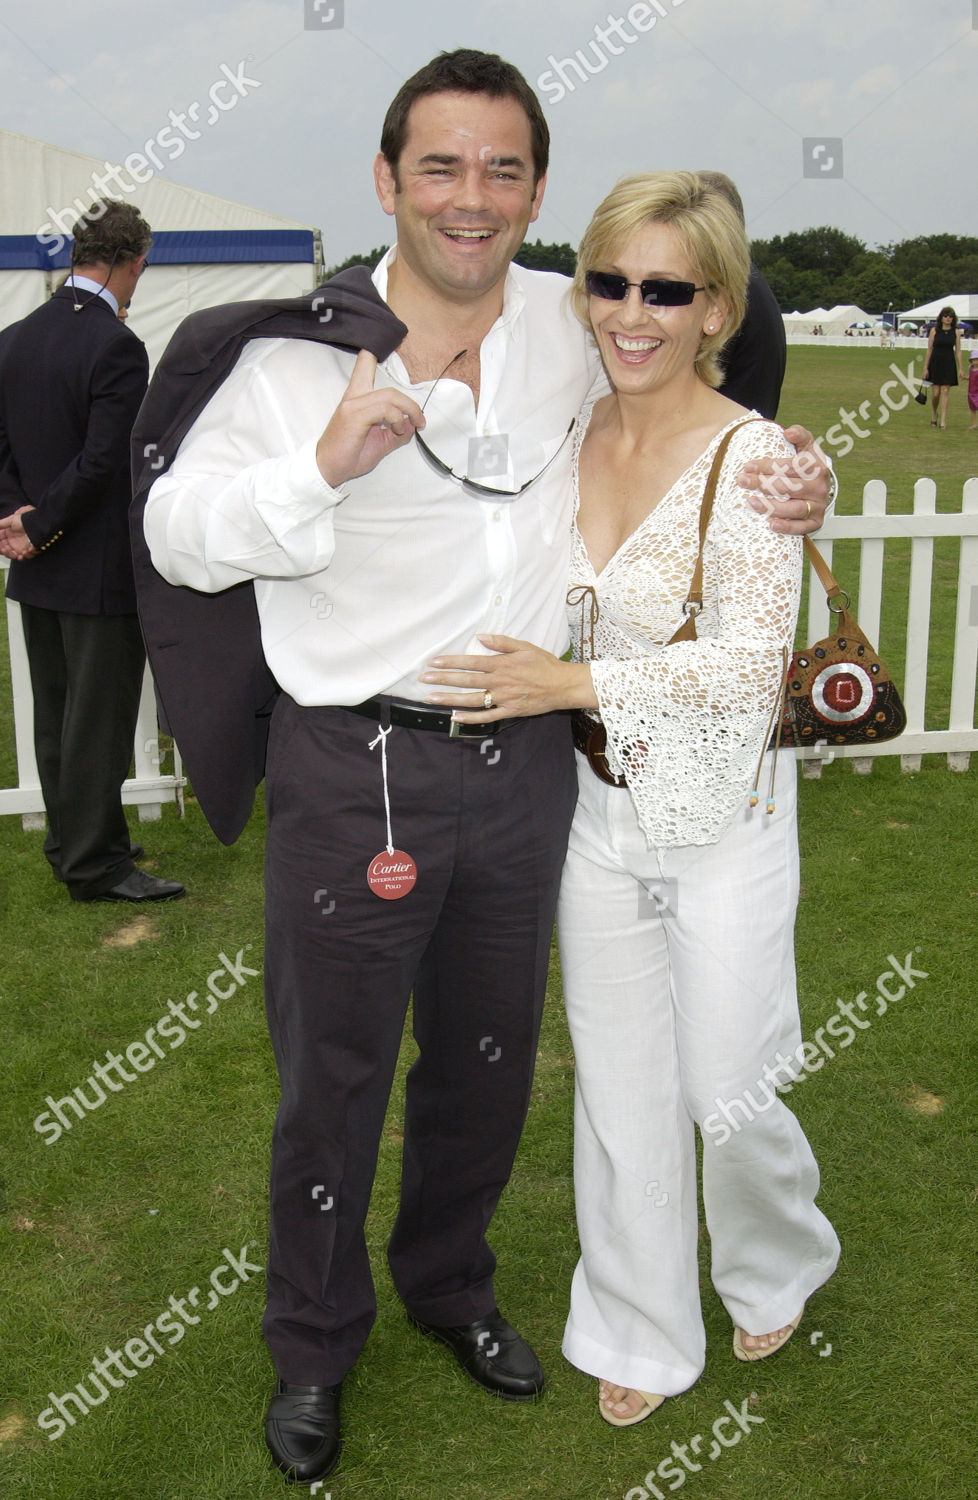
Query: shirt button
{"type": "Point", "coordinates": [498, 599]}
{"type": "Point", "coordinates": [497, 515]}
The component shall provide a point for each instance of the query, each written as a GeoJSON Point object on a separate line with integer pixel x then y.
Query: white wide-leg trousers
{"type": "Point", "coordinates": [679, 980]}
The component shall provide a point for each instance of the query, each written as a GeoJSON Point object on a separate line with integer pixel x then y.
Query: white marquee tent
{"type": "Point", "coordinates": [206, 249]}
{"type": "Point", "coordinates": [799, 322]}
{"type": "Point", "coordinates": [832, 320]}
{"type": "Point", "coordinates": [964, 304]}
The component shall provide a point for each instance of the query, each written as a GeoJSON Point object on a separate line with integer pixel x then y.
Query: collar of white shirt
{"type": "Point", "coordinates": [514, 299]}
{"type": "Point", "coordinates": [86, 284]}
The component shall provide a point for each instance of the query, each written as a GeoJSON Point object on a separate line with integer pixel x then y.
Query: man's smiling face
{"type": "Point", "coordinates": [463, 194]}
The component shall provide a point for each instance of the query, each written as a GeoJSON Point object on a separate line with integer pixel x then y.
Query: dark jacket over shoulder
{"type": "Point", "coordinates": [754, 361]}
{"type": "Point", "coordinates": [205, 649]}
{"type": "Point", "coordinates": [70, 387]}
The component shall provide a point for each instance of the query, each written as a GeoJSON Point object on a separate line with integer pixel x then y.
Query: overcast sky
{"type": "Point", "coordinates": [756, 88]}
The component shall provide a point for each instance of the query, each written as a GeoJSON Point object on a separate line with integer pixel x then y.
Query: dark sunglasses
{"type": "Point", "coordinates": [472, 486]}
{"type": "Point", "coordinates": [656, 292]}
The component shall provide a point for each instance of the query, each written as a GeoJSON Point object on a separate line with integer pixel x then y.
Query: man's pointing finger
{"type": "Point", "coordinates": [364, 371]}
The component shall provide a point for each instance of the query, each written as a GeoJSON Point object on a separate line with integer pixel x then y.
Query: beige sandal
{"type": "Point", "coordinates": [751, 1354]}
{"type": "Point", "coordinates": [651, 1403]}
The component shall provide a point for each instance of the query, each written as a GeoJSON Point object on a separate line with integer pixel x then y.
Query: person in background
{"type": "Point", "coordinates": [71, 381]}
{"type": "Point", "coordinates": [942, 363]}
{"type": "Point", "coordinates": [755, 359]}
{"type": "Point", "coordinates": [973, 388]}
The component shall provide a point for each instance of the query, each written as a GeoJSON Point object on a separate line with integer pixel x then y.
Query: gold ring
{"type": "Point", "coordinates": [808, 509]}
{"type": "Point", "coordinates": [487, 701]}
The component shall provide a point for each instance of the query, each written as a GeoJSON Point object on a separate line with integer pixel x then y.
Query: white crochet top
{"type": "Point", "coordinates": [686, 723]}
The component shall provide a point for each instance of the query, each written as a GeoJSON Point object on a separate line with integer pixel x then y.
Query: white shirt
{"type": "Point", "coordinates": [357, 588]}
{"type": "Point", "coordinates": [87, 285]}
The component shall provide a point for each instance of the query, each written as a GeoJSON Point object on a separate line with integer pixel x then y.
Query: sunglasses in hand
{"type": "Point", "coordinates": [472, 486]}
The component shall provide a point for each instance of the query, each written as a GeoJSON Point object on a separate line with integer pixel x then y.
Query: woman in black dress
{"type": "Point", "coordinates": [942, 364]}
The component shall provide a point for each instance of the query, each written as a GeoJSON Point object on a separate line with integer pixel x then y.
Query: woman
{"type": "Point", "coordinates": [678, 900]}
{"type": "Point", "coordinates": [942, 362]}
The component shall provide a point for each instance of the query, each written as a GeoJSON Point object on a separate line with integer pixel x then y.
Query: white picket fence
{"type": "Point", "coordinates": [148, 789]}
{"type": "Point", "coordinates": [151, 786]}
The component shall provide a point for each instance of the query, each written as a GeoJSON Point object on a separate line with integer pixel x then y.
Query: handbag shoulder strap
{"type": "Point", "coordinates": [824, 573]}
{"type": "Point", "coordinates": [694, 594]}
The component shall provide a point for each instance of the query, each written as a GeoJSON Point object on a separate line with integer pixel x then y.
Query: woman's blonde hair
{"type": "Point", "coordinates": [709, 231]}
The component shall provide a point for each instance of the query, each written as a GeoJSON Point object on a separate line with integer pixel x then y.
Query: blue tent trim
{"type": "Point", "coordinates": [171, 247]}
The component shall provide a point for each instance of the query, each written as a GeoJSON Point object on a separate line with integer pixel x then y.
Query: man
{"type": "Point", "coordinates": [755, 359]}
{"type": "Point", "coordinates": [71, 380]}
{"type": "Point", "coordinates": [403, 850]}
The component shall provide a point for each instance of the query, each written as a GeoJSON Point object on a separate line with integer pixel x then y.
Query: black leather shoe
{"type": "Point", "coordinates": [302, 1430]}
{"type": "Point", "coordinates": [141, 887]}
{"type": "Point", "coordinates": [493, 1354]}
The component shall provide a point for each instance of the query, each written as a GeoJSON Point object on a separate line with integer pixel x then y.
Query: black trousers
{"type": "Point", "coordinates": [86, 675]}
{"type": "Point", "coordinates": [487, 823]}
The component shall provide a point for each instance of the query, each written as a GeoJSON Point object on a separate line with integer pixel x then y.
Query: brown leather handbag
{"type": "Point", "coordinates": [838, 691]}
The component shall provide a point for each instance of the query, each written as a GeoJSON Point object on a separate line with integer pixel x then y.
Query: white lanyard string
{"type": "Point", "coordinates": [381, 740]}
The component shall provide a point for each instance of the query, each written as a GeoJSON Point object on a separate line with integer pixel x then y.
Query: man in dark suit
{"type": "Point", "coordinates": [72, 377]}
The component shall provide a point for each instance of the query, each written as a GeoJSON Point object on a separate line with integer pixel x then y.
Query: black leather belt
{"type": "Point", "coordinates": [409, 715]}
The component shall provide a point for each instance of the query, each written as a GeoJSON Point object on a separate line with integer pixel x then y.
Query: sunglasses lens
{"type": "Point", "coordinates": [668, 293]}
{"type": "Point", "coordinates": [606, 284]}
{"type": "Point", "coordinates": [655, 292]}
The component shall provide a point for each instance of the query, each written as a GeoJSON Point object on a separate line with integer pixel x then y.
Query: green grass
{"type": "Point", "coordinates": [903, 449]}
{"type": "Point", "coordinates": [140, 1199]}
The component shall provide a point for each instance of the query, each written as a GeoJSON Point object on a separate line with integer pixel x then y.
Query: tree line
{"type": "Point", "coordinates": [819, 268]}
{"type": "Point", "coordinates": [823, 267]}
{"type": "Point", "coordinates": [537, 256]}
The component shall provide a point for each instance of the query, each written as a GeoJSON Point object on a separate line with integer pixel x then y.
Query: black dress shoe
{"type": "Point", "coordinates": [302, 1430]}
{"type": "Point", "coordinates": [141, 887]}
{"type": "Point", "coordinates": [493, 1354]}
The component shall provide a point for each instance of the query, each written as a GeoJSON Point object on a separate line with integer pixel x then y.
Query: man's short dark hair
{"type": "Point", "coordinates": [466, 72]}
{"type": "Point", "coordinates": [110, 233]}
